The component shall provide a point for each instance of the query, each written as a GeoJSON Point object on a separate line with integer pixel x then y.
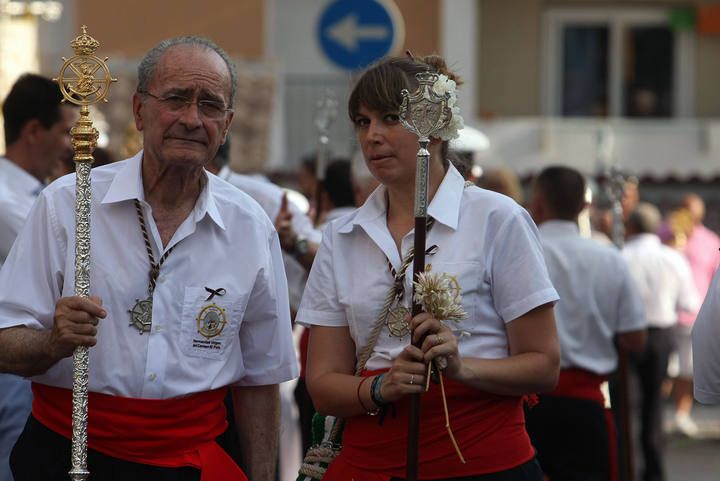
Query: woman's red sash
{"type": "Point", "coordinates": [158, 432]}
{"type": "Point", "coordinates": [489, 429]}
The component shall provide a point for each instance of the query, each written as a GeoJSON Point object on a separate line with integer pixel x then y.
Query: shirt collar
{"type": "Point", "coordinates": [22, 179]}
{"type": "Point", "coordinates": [127, 185]}
{"type": "Point", "coordinates": [444, 207]}
{"type": "Point", "coordinates": [645, 238]}
{"type": "Point", "coordinates": [559, 227]}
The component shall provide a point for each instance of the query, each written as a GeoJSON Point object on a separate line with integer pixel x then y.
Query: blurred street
{"type": "Point", "coordinates": [697, 458]}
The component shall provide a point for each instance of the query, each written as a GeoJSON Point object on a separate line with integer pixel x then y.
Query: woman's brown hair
{"type": "Point", "coordinates": [378, 88]}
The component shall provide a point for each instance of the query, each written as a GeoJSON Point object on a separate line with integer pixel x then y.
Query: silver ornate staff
{"type": "Point", "coordinates": [424, 113]}
{"type": "Point", "coordinates": [81, 86]}
{"type": "Point", "coordinates": [325, 113]}
{"type": "Point", "coordinates": [614, 189]}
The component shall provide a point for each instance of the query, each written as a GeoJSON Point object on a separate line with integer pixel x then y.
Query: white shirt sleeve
{"type": "Point", "coordinates": [519, 277]}
{"type": "Point", "coordinates": [265, 332]}
{"type": "Point", "coordinates": [706, 347]}
{"type": "Point", "coordinates": [320, 304]}
{"type": "Point", "coordinates": [40, 249]}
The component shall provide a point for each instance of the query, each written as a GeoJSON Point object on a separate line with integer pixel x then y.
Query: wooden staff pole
{"type": "Point", "coordinates": [616, 190]}
{"type": "Point", "coordinates": [424, 113]}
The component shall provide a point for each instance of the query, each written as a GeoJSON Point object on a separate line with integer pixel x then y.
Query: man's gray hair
{"type": "Point", "coordinates": [645, 218]}
{"type": "Point", "coordinates": [146, 69]}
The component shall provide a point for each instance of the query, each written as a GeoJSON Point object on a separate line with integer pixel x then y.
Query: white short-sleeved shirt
{"type": "Point", "coordinates": [269, 196]}
{"type": "Point", "coordinates": [598, 297]}
{"type": "Point", "coordinates": [485, 239]}
{"type": "Point", "coordinates": [706, 346]}
{"type": "Point", "coordinates": [18, 191]}
{"type": "Point", "coordinates": [226, 242]}
{"type": "Point", "coordinates": [663, 278]}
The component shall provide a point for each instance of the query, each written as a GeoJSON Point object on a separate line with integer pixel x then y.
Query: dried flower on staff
{"type": "Point", "coordinates": [439, 295]}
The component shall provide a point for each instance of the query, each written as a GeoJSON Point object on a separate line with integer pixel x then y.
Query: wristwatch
{"type": "Point", "coordinates": [301, 248]}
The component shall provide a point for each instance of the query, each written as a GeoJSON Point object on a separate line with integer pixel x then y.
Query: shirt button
{"type": "Point", "coordinates": [158, 328]}
{"type": "Point", "coordinates": [152, 376]}
{"type": "Point", "coordinates": [161, 279]}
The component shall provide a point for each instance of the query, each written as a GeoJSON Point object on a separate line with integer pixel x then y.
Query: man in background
{"type": "Point", "coordinates": [599, 306]}
{"type": "Point", "coordinates": [37, 139]}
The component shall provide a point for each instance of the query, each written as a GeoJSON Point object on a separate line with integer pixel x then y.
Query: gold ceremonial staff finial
{"type": "Point", "coordinates": [81, 85]}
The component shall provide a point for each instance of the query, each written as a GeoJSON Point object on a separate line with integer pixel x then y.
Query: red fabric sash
{"type": "Point", "coordinates": [489, 429]}
{"type": "Point", "coordinates": [158, 432]}
{"type": "Point", "coordinates": [582, 384]}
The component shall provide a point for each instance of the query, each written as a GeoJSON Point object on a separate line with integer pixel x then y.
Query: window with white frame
{"type": "Point", "coordinates": [616, 63]}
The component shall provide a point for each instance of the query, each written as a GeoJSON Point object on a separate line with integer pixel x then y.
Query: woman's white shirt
{"type": "Point", "coordinates": [484, 239]}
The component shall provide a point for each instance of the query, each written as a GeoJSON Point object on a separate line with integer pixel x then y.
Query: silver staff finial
{"type": "Point", "coordinates": [424, 111]}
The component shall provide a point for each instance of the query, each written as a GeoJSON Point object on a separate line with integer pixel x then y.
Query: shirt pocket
{"type": "Point", "coordinates": [469, 275]}
{"type": "Point", "coordinates": [210, 324]}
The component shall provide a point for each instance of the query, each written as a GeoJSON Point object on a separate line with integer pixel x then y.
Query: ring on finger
{"type": "Point", "coordinates": [438, 339]}
{"type": "Point", "coordinates": [412, 378]}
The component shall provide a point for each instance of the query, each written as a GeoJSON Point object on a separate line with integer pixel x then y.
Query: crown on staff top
{"type": "Point", "coordinates": [84, 44]}
{"type": "Point", "coordinates": [427, 78]}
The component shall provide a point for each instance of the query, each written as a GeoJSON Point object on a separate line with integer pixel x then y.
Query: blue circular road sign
{"type": "Point", "coordinates": [355, 33]}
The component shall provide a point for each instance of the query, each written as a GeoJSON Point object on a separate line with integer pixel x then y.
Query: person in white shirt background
{"type": "Point", "coordinates": [204, 259]}
{"type": "Point", "coordinates": [337, 192]}
{"type": "Point", "coordinates": [664, 279]}
{"type": "Point", "coordinates": [599, 305]}
{"type": "Point", "coordinates": [37, 139]}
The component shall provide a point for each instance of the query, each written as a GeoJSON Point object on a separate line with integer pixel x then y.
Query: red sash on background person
{"type": "Point", "coordinates": [158, 432]}
{"type": "Point", "coordinates": [582, 384]}
{"type": "Point", "coordinates": [489, 429]}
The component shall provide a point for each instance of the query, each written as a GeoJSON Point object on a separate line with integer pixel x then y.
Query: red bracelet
{"type": "Point", "coordinates": [368, 411]}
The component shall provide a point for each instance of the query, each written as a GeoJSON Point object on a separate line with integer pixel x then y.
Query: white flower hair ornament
{"type": "Point", "coordinates": [444, 85]}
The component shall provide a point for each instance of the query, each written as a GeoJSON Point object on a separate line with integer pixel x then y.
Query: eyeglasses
{"type": "Point", "coordinates": [209, 109]}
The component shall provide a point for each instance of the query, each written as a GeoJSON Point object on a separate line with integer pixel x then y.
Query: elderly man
{"type": "Point", "coordinates": [188, 298]}
{"type": "Point", "coordinates": [599, 306]}
{"type": "Point", "coordinates": [37, 138]}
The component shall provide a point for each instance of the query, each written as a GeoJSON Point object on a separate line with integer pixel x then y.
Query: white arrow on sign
{"type": "Point", "coordinates": [347, 32]}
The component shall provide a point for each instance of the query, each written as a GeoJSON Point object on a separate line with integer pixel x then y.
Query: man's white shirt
{"type": "Point", "coordinates": [227, 242]}
{"type": "Point", "coordinates": [598, 297]}
{"type": "Point", "coordinates": [269, 196]}
{"type": "Point", "coordinates": [663, 277]}
{"type": "Point", "coordinates": [18, 191]}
